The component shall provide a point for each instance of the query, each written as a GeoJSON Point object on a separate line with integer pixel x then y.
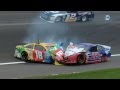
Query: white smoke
{"type": "Point", "coordinates": [50, 32]}
{"type": "Point", "coordinates": [46, 32]}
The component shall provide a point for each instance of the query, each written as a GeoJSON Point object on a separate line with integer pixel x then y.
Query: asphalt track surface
{"type": "Point", "coordinates": [14, 28]}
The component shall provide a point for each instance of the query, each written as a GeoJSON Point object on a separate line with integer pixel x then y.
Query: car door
{"type": "Point", "coordinates": [29, 50]}
{"type": "Point", "coordinates": [38, 53]}
{"type": "Point", "coordinates": [94, 55]}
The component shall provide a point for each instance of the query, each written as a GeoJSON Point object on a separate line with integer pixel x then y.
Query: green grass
{"type": "Point", "coordinates": [98, 74]}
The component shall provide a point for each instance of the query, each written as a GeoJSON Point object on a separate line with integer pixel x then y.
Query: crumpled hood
{"type": "Point", "coordinates": [72, 50]}
{"type": "Point", "coordinates": [106, 47]}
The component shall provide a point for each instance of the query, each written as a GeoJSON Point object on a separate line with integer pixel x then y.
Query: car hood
{"type": "Point", "coordinates": [72, 51]}
{"type": "Point", "coordinates": [106, 47]}
{"type": "Point", "coordinates": [59, 14]}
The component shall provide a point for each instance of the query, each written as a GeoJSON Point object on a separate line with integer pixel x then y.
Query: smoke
{"type": "Point", "coordinates": [50, 33]}
{"type": "Point", "coordinates": [46, 32]}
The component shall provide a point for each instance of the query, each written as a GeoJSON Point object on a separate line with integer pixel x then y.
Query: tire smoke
{"type": "Point", "coordinates": [50, 33]}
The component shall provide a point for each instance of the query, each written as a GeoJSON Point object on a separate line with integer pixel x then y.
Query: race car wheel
{"type": "Point", "coordinates": [81, 59]}
{"type": "Point", "coordinates": [24, 56]}
{"type": "Point", "coordinates": [58, 19]}
{"type": "Point", "coordinates": [84, 18]}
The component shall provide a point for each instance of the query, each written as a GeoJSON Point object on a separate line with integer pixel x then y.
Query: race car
{"type": "Point", "coordinates": [40, 52]}
{"type": "Point", "coordinates": [84, 53]}
{"type": "Point", "coordinates": [67, 16]}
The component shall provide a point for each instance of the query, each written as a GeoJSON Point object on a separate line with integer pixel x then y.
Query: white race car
{"type": "Point", "coordinates": [67, 16]}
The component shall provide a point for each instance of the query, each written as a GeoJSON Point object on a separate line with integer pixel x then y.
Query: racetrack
{"type": "Point", "coordinates": [16, 27]}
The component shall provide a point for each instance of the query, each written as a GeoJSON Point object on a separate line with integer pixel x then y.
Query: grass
{"type": "Point", "coordinates": [98, 74]}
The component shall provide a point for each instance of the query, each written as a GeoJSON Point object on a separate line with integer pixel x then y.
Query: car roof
{"type": "Point", "coordinates": [47, 44]}
{"type": "Point", "coordinates": [88, 44]}
{"type": "Point", "coordinates": [42, 44]}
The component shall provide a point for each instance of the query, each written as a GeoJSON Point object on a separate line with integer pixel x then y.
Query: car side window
{"type": "Point", "coordinates": [93, 49]}
{"type": "Point", "coordinates": [40, 48]}
{"type": "Point", "coordinates": [100, 48]}
{"type": "Point", "coordinates": [29, 46]}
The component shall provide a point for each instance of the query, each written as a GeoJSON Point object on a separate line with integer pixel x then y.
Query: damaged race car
{"type": "Point", "coordinates": [82, 53]}
{"type": "Point", "coordinates": [85, 53]}
{"type": "Point", "coordinates": [40, 52]}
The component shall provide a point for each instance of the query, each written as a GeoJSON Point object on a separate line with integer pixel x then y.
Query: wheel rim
{"type": "Point", "coordinates": [84, 18]}
{"type": "Point", "coordinates": [81, 59]}
{"type": "Point", "coordinates": [58, 19]}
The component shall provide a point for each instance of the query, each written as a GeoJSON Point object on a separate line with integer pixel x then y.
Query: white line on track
{"type": "Point", "coordinates": [115, 55]}
{"type": "Point", "coordinates": [54, 74]}
{"type": "Point", "coordinates": [11, 24]}
{"type": "Point", "coordinates": [11, 63]}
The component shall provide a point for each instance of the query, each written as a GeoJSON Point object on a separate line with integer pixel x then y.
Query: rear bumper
{"type": "Point", "coordinates": [91, 16]}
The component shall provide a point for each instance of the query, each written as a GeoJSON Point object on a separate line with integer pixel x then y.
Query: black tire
{"type": "Point", "coordinates": [59, 19]}
{"type": "Point", "coordinates": [24, 56]}
{"type": "Point", "coordinates": [81, 59]}
{"type": "Point", "coordinates": [84, 18]}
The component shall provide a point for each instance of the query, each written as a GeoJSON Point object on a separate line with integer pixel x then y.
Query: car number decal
{"type": "Point", "coordinates": [94, 56]}
{"type": "Point", "coordinates": [38, 55]}
{"type": "Point", "coordinates": [72, 15]}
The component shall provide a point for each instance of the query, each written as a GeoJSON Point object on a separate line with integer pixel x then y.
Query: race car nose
{"type": "Point", "coordinates": [59, 58]}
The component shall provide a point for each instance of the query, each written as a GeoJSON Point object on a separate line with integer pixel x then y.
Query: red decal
{"type": "Point", "coordinates": [38, 55]}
